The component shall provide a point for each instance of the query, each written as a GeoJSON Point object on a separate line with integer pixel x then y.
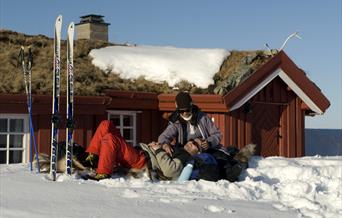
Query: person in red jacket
{"type": "Point", "coordinates": [113, 151]}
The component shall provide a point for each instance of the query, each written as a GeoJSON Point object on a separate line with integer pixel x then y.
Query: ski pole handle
{"type": "Point", "coordinates": [29, 59]}
{"type": "Point", "coordinates": [21, 56]}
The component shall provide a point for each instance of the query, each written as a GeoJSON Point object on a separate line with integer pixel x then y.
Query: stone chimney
{"type": "Point", "coordinates": [92, 27]}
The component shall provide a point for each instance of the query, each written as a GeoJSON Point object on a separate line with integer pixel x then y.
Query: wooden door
{"type": "Point", "coordinates": [265, 128]}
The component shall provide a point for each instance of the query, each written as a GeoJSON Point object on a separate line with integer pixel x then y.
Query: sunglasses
{"type": "Point", "coordinates": [185, 110]}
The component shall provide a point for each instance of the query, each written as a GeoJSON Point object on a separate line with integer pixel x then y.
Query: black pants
{"type": "Point", "coordinates": [229, 168]}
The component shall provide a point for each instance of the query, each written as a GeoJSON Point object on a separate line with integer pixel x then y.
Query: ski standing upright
{"type": "Point", "coordinates": [70, 98]}
{"type": "Point", "coordinates": [55, 97]}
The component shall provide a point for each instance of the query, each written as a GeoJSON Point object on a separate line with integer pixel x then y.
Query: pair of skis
{"type": "Point", "coordinates": [27, 70]}
{"type": "Point", "coordinates": [56, 96]}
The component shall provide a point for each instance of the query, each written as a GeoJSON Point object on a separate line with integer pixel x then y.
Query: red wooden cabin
{"type": "Point", "coordinates": [267, 109]}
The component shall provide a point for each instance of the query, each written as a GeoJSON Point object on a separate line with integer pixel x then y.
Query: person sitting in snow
{"type": "Point", "coordinates": [112, 151]}
{"type": "Point", "coordinates": [189, 122]}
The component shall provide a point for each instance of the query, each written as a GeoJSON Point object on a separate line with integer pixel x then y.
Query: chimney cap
{"type": "Point", "coordinates": [92, 18]}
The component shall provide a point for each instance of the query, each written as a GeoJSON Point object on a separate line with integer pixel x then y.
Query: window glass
{"type": "Point", "coordinates": [16, 141]}
{"type": "Point", "coordinates": [16, 125]}
{"type": "Point", "coordinates": [2, 157]}
{"type": "Point", "coordinates": [15, 156]}
{"type": "Point", "coordinates": [115, 119]}
{"type": "Point", "coordinates": [128, 134]}
{"type": "Point", "coordinates": [3, 125]}
{"type": "Point", "coordinates": [3, 141]}
{"type": "Point", "coordinates": [127, 120]}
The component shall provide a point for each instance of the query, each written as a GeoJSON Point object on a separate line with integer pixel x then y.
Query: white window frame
{"type": "Point", "coordinates": [121, 127]}
{"type": "Point", "coordinates": [26, 136]}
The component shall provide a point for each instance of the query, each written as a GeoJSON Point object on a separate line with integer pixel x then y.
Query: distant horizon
{"type": "Point", "coordinates": [323, 128]}
{"type": "Point", "coordinates": [204, 24]}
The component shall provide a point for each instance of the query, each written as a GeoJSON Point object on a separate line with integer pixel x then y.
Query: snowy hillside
{"type": "Point", "coordinates": [271, 187]}
{"type": "Point", "coordinates": [158, 64]}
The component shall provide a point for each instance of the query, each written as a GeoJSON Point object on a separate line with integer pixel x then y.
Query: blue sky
{"type": "Point", "coordinates": [242, 25]}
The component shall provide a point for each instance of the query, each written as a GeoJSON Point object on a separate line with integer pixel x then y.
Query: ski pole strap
{"type": "Point", "coordinates": [55, 118]}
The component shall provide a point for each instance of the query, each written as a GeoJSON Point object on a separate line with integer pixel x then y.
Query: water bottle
{"type": "Point", "coordinates": [186, 173]}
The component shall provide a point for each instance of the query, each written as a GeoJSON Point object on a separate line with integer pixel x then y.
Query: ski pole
{"type": "Point", "coordinates": [33, 138]}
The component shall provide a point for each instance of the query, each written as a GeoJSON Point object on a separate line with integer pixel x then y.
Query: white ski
{"type": "Point", "coordinates": [55, 97]}
{"type": "Point", "coordinates": [70, 98]}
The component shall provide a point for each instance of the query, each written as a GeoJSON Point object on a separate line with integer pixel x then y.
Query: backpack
{"type": "Point", "coordinates": [205, 167]}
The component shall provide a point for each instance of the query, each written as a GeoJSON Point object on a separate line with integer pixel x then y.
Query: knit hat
{"type": "Point", "coordinates": [183, 100]}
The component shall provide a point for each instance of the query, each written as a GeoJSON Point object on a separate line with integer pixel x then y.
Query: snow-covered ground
{"type": "Point", "coordinates": [271, 187]}
{"type": "Point", "coordinates": [161, 63]}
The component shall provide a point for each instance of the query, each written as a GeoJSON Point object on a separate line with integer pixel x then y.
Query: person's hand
{"type": "Point", "coordinates": [154, 146]}
{"type": "Point", "coordinates": [167, 148]}
{"type": "Point", "coordinates": [202, 143]}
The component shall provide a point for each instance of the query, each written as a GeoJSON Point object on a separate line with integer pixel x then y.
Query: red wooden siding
{"type": "Point", "coordinates": [276, 117]}
{"type": "Point", "coordinates": [149, 126]}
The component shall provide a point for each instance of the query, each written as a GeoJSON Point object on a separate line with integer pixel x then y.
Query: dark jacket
{"type": "Point", "coordinates": [178, 129]}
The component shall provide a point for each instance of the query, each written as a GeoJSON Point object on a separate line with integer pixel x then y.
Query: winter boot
{"type": "Point", "coordinates": [100, 176]}
{"type": "Point", "coordinates": [97, 177]}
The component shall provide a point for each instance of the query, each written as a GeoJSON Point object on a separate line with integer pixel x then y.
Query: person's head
{"type": "Point", "coordinates": [184, 105]}
{"type": "Point", "coordinates": [192, 147]}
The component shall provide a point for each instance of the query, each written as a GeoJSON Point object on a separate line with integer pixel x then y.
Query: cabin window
{"type": "Point", "coordinates": [125, 121]}
{"type": "Point", "coordinates": [13, 138]}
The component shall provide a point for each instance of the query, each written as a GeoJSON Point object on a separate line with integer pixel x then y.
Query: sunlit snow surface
{"type": "Point", "coordinates": [271, 187]}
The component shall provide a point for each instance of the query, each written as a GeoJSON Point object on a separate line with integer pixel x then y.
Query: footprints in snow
{"type": "Point", "coordinates": [129, 193]}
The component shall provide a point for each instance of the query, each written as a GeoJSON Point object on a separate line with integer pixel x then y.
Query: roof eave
{"type": "Point", "coordinates": [280, 65]}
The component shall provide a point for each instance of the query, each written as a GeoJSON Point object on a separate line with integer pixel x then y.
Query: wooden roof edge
{"type": "Point", "coordinates": [206, 102]}
{"type": "Point", "coordinates": [47, 99]}
{"type": "Point", "coordinates": [131, 94]}
{"type": "Point", "coordinates": [197, 98]}
{"type": "Point", "coordinates": [259, 75]}
{"type": "Point", "coordinates": [309, 87]}
{"type": "Point", "coordinates": [283, 62]}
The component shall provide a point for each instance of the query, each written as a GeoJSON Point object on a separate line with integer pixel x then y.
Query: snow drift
{"type": "Point", "coordinates": [271, 187]}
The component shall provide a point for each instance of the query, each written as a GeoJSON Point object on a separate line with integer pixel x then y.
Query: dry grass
{"type": "Point", "coordinates": [90, 80]}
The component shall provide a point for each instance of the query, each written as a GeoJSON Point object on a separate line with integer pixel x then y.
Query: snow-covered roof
{"type": "Point", "coordinates": [161, 63]}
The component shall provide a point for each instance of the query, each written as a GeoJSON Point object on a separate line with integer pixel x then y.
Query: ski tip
{"type": "Point", "coordinates": [71, 26]}
{"type": "Point", "coordinates": [59, 18]}
{"type": "Point", "coordinates": [58, 26]}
